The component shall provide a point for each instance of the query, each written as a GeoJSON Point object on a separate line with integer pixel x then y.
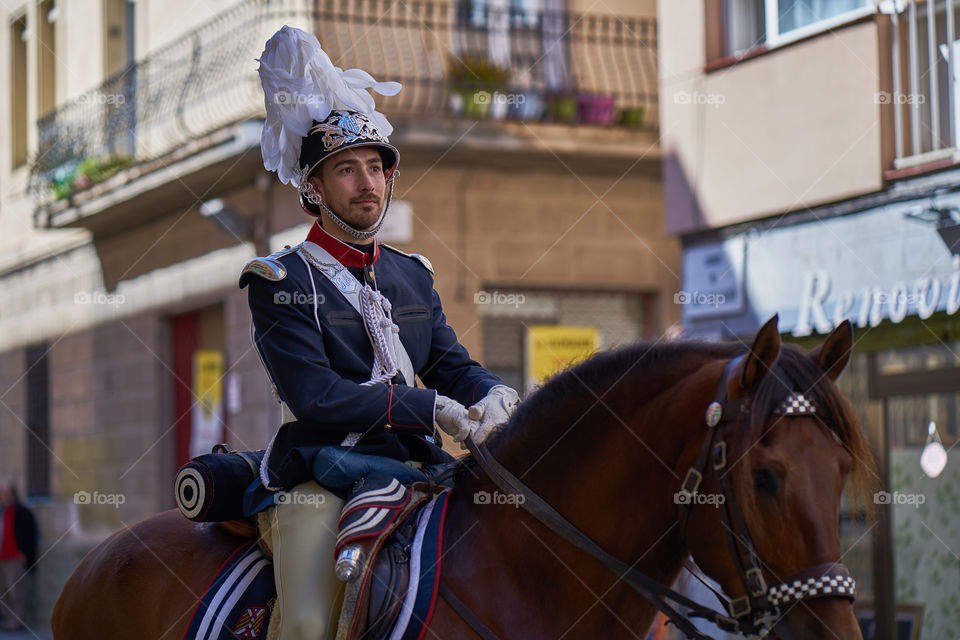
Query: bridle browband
{"type": "Point", "coordinates": [754, 614]}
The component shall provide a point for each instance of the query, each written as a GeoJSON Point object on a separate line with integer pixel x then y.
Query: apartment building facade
{"type": "Point", "coordinates": [810, 170]}
{"type": "Point", "coordinates": [133, 192]}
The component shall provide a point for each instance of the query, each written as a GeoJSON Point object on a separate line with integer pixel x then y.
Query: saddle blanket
{"type": "Point", "coordinates": [241, 597]}
{"type": "Point", "coordinates": [239, 601]}
{"type": "Point", "coordinates": [425, 555]}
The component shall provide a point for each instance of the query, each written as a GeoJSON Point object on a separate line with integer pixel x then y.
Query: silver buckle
{"type": "Point", "coordinates": [720, 455]}
{"type": "Point", "coordinates": [691, 483]}
{"type": "Point", "coordinates": [740, 607]}
{"type": "Point", "coordinates": [755, 582]}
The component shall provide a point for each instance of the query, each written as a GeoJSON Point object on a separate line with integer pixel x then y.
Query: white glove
{"type": "Point", "coordinates": [493, 411]}
{"type": "Point", "coordinates": [451, 416]}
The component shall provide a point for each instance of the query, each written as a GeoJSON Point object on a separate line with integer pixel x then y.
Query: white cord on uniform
{"type": "Point", "coordinates": [382, 331]}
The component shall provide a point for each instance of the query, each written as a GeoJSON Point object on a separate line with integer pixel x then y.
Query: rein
{"type": "Point", "coordinates": [754, 614]}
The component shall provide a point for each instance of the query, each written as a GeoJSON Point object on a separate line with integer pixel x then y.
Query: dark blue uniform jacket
{"type": "Point", "coordinates": [318, 370]}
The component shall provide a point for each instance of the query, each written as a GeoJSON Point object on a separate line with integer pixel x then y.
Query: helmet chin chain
{"type": "Point", "coordinates": [309, 193]}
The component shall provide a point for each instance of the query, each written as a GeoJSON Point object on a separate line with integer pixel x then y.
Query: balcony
{"type": "Point", "coordinates": [187, 112]}
{"type": "Point", "coordinates": [924, 83]}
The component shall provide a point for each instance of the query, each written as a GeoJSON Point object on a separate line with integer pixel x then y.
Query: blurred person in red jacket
{"type": "Point", "coordinates": [18, 554]}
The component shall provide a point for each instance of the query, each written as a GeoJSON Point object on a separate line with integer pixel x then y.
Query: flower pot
{"type": "Point", "coordinates": [563, 109]}
{"type": "Point", "coordinates": [595, 108]}
{"type": "Point", "coordinates": [476, 104]}
{"type": "Point", "coordinates": [456, 103]}
{"type": "Point", "coordinates": [632, 117]}
{"type": "Point", "coordinates": [527, 106]}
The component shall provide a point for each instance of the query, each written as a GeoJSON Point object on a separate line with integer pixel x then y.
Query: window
{"type": "Point", "coordinates": [46, 59]}
{"type": "Point", "coordinates": [752, 23]}
{"type": "Point", "coordinates": [519, 43]}
{"type": "Point", "coordinates": [118, 28]}
{"type": "Point", "coordinates": [620, 318]}
{"type": "Point", "coordinates": [19, 34]}
{"type": "Point", "coordinates": [481, 13]}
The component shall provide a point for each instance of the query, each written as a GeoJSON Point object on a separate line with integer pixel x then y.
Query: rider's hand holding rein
{"type": "Point", "coordinates": [451, 416]}
{"type": "Point", "coordinates": [481, 419]}
{"type": "Point", "coordinates": [493, 411]}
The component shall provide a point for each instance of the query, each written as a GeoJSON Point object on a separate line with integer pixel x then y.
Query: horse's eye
{"type": "Point", "coordinates": [766, 481]}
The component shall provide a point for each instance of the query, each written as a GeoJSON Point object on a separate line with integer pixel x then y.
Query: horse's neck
{"type": "Point", "coordinates": [612, 480]}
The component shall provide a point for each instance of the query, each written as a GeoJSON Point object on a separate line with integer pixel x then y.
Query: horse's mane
{"type": "Point", "coordinates": [652, 367]}
{"type": "Point", "coordinates": [648, 366]}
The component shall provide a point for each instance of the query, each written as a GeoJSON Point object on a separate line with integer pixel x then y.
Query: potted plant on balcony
{"type": "Point", "coordinates": [525, 103]}
{"type": "Point", "coordinates": [563, 108]}
{"type": "Point", "coordinates": [595, 108]}
{"type": "Point", "coordinates": [94, 169]}
{"type": "Point", "coordinates": [475, 84]}
{"type": "Point", "coordinates": [632, 117]}
{"type": "Point", "coordinates": [77, 175]}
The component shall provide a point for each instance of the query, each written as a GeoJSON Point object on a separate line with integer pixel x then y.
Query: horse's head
{"type": "Point", "coordinates": [783, 476]}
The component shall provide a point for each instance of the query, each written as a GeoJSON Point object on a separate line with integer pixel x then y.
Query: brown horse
{"type": "Point", "coordinates": [607, 444]}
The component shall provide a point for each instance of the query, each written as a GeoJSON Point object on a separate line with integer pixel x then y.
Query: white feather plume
{"type": "Point", "coordinates": [300, 85]}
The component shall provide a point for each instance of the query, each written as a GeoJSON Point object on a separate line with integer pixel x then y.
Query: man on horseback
{"type": "Point", "coordinates": [345, 324]}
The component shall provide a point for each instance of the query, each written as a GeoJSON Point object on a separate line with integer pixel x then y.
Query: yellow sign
{"type": "Point", "coordinates": [553, 348]}
{"type": "Point", "coordinates": [206, 428]}
{"type": "Point", "coordinates": [208, 378]}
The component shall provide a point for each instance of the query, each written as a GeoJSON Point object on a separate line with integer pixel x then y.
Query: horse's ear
{"type": "Point", "coordinates": [762, 355]}
{"type": "Point", "coordinates": [834, 354]}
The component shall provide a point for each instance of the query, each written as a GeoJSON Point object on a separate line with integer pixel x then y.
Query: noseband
{"type": "Point", "coordinates": [754, 614]}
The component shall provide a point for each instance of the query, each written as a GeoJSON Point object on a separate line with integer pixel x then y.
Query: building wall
{"type": "Point", "coordinates": [786, 130]}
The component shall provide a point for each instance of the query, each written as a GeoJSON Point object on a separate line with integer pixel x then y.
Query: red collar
{"type": "Point", "coordinates": [347, 255]}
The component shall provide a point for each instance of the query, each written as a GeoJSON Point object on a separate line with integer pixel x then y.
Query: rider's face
{"type": "Point", "coordinates": [352, 184]}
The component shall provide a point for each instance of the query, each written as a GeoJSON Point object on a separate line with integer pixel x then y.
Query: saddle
{"type": "Point", "coordinates": [378, 526]}
{"type": "Point", "coordinates": [381, 529]}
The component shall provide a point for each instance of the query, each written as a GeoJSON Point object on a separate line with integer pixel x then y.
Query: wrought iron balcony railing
{"type": "Point", "coordinates": [455, 58]}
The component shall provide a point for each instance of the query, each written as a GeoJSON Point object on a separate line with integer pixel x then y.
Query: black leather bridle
{"type": "Point", "coordinates": [755, 614]}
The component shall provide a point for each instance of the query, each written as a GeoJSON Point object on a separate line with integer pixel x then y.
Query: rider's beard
{"type": "Point", "coordinates": [359, 216]}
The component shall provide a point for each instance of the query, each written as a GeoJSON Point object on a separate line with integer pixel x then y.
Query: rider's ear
{"type": "Point", "coordinates": [317, 182]}
{"type": "Point", "coordinates": [834, 354]}
{"type": "Point", "coordinates": [762, 355]}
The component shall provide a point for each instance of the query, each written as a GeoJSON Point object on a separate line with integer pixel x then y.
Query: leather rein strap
{"type": "Point", "coordinates": [828, 580]}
